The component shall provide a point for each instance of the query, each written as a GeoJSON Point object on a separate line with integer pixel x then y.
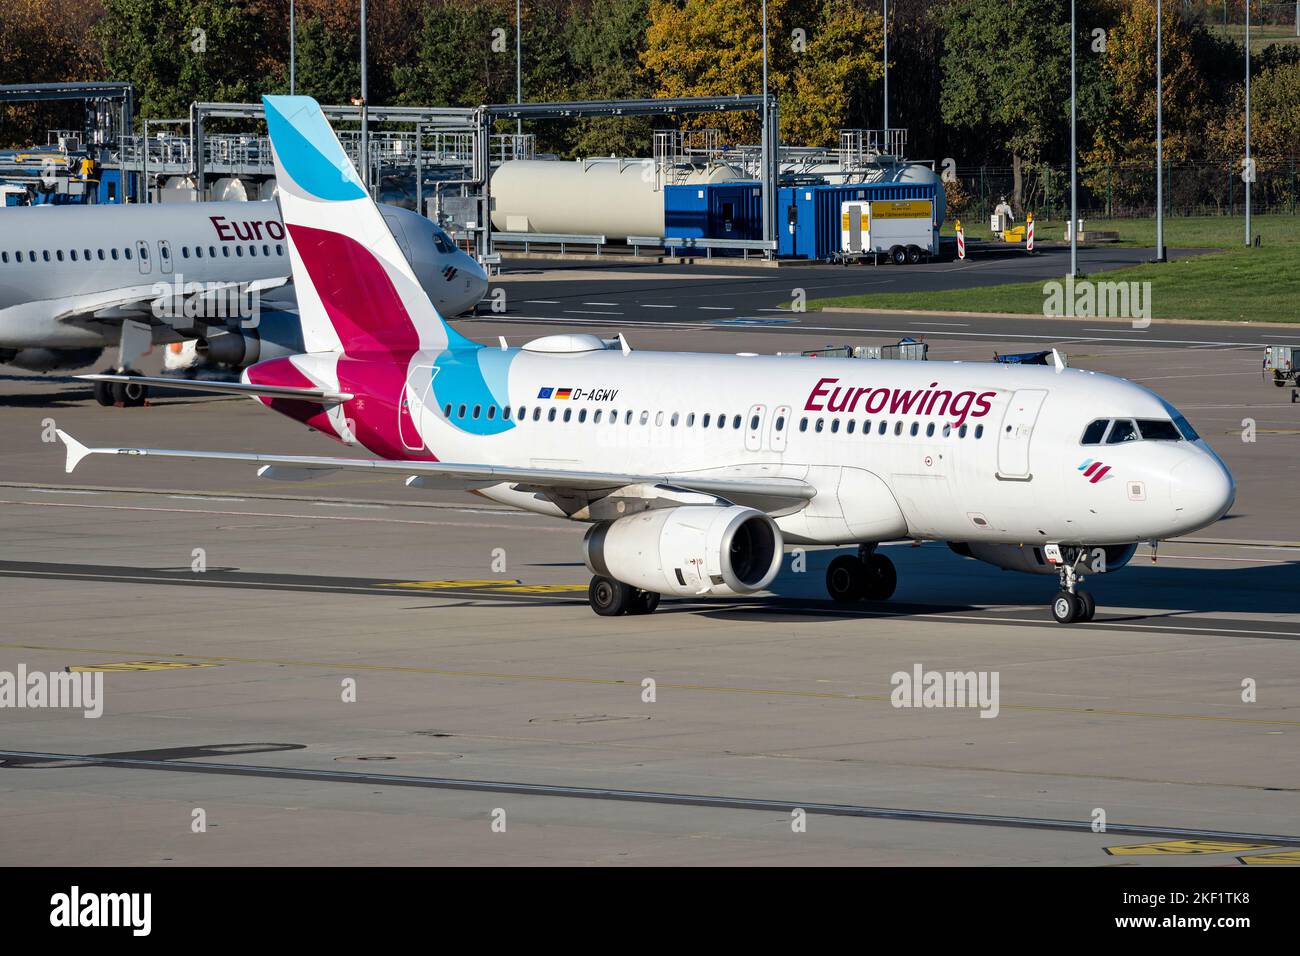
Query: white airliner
{"type": "Point", "coordinates": [695, 470]}
{"type": "Point", "coordinates": [75, 280]}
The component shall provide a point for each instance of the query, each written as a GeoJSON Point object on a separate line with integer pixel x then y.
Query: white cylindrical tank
{"type": "Point", "coordinates": [612, 197]}
{"type": "Point", "coordinates": [176, 189]}
{"type": "Point", "coordinates": [229, 189]}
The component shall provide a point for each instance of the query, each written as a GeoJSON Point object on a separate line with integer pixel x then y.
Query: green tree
{"type": "Point", "coordinates": [1006, 75]}
{"type": "Point", "coordinates": [605, 42]}
{"type": "Point", "coordinates": [179, 51]}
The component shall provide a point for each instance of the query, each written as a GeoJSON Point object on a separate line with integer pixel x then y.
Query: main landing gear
{"type": "Point", "coordinates": [610, 598]}
{"type": "Point", "coordinates": [126, 394]}
{"type": "Point", "coordinates": [865, 577]}
{"type": "Point", "coordinates": [1072, 603]}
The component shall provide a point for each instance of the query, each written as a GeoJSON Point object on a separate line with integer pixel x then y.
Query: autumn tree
{"type": "Point", "coordinates": [45, 41]}
{"type": "Point", "coordinates": [822, 56]}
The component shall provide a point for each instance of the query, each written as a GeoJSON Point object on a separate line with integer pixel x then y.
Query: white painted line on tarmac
{"type": "Point", "coordinates": [588, 312]}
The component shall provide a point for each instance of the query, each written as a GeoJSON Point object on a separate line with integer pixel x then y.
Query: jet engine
{"type": "Point", "coordinates": [276, 334]}
{"type": "Point", "coordinates": [691, 549]}
{"type": "Point", "coordinates": [48, 360]}
{"type": "Point", "coordinates": [1032, 560]}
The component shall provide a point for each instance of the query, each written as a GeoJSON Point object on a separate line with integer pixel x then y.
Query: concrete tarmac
{"type": "Point", "coordinates": [345, 672]}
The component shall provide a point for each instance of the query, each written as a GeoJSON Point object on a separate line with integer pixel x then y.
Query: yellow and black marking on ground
{"type": "Point", "coordinates": [1200, 847]}
{"type": "Point", "coordinates": [117, 666]}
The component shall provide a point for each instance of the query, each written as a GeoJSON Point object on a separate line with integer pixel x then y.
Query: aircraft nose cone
{"type": "Point", "coordinates": [1202, 490]}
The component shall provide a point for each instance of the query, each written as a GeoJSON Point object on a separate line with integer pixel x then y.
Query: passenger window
{"type": "Point", "coordinates": [753, 423]}
{"type": "Point", "coordinates": [72, 254]}
{"type": "Point", "coordinates": [961, 432]}
{"type": "Point", "coordinates": [929, 430]}
{"type": "Point", "coordinates": [225, 251]}
{"type": "Point", "coordinates": [780, 423]}
{"type": "Point", "coordinates": [45, 254]}
{"type": "Point", "coordinates": [4, 257]}
{"type": "Point", "coordinates": [947, 430]}
{"type": "Point", "coordinates": [627, 417]}
{"type": "Point", "coordinates": [803, 424]}
{"type": "Point", "coordinates": [673, 420]}
{"type": "Point", "coordinates": [595, 419]}
{"type": "Point", "coordinates": [85, 254]}
{"type": "Point", "coordinates": [690, 419]}
{"type": "Point", "coordinates": [505, 413]}
{"type": "Point", "coordinates": [659, 419]}
{"type": "Point", "coordinates": [1154, 429]}
{"type": "Point", "coordinates": [446, 411]}
{"type": "Point", "coordinates": [239, 251]}
{"type": "Point", "coordinates": [165, 253]}
{"type": "Point", "coordinates": [916, 427]}
{"type": "Point", "coordinates": [866, 427]}
{"type": "Point", "coordinates": [212, 252]}
{"type": "Point", "coordinates": [252, 251]}
{"type": "Point", "coordinates": [185, 252]}
{"type": "Point", "coordinates": [706, 420]}
{"type": "Point", "coordinates": [266, 250]}
{"type": "Point", "coordinates": [279, 249]}
{"type": "Point", "coordinates": [58, 254]}
{"type": "Point", "coordinates": [821, 423]}
{"type": "Point", "coordinates": [478, 409]}
{"type": "Point", "coordinates": [853, 422]}
{"type": "Point", "coordinates": [101, 255]}
{"type": "Point", "coordinates": [835, 426]}
{"type": "Point", "coordinates": [882, 428]}
{"type": "Point", "coordinates": [1092, 434]}
{"type": "Point", "coordinates": [114, 252]}
{"type": "Point", "coordinates": [568, 414]}
{"type": "Point", "coordinates": [582, 415]}
{"type": "Point", "coordinates": [645, 417]}
{"type": "Point", "coordinates": [979, 431]}
{"type": "Point", "coordinates": [550, 416]}
{"type": "Point", "coordinates": [492, 412]}
{"type": "Point", "coordinates": [735, 421]}
{"type": "Point", "coordinates": [898, 428]}
{"type": "Point", "coordinates": [537, 414]}
{"type": "Point", "coordinates": [126, 254]}
{"type": "Point", "coordinates": [1123, 430]}
{"type": "Point", "coordinates": [460, 412]}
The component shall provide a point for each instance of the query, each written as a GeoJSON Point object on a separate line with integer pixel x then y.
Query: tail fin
{"type": "Point", "coordinates": [356, 291]}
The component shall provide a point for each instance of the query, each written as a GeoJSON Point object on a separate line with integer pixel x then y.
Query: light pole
{"type": "Point", "coordinates": [1250, 172]}
{"type": "Point", "coordinates": [519, 64]}
{"type": "Point", "coordinates": [365, 103]}
{"type": "Point", "coordinates": [1160, 142]}
{"type": "Point", "coordinates": [764, 64]}
{"type": "Point", "coordinates": [1074, 119]}
{"type": "Point", "coordinates": [886, 32]}
{"type": "Point", "coordinates": [292, 51]}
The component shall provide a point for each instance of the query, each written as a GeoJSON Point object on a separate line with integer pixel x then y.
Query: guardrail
{"type": "Point", "coordinates": [671, 244]}
{"type": "Point", "coordinates": [549, 239]}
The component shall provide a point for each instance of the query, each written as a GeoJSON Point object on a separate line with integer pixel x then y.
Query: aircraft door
{"type": "Point", "coordinates": [164, 255]}
{"type": "Point", "coordinates": [142, 257]}
{"type": "Point", "coordinates": [418, 385]}
{"type": "Point", "coordinates": [1016, 432]}
{"type": "Point", "coordinates": [780, 425]}
{"type": "Point", "coordinates": [754, 427]}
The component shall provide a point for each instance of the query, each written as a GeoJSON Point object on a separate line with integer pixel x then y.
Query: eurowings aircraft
{"type": "Point", "coordinates": [695, 470]}
{"type": "Point", "coordinates": [75, 280]}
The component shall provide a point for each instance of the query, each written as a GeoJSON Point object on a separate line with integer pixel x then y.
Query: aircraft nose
{"type": "Point", "coordinates": [477, 286]}
{"type": "Point", "coordinates": [1202, 489]}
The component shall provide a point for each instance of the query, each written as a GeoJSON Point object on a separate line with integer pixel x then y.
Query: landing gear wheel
{"type": "Point", "coordinates": [1066, 608]}
{"type": "Point", "coordinates": [882, 578]}
{"type": "Point", "coordinates": [1088, 605]}
{"type": "Point", "coordinates": [846, 579]}
{"type": "Point", "coordinates": [130, 394]}
{"type": "Point", "coordinates": [609, 598]}
{"type": "Point", "coordinates": [643, 602]}
{"type": "Point", "coordinates": [898, 255]}
{"type": "Point", "coordinates": [104, 393]}
{"type": "Point", "coordinates": [913, 255]}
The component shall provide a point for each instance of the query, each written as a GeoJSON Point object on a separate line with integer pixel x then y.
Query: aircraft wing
{"type": "Point", "coordinates": [226, 388]}
{"type": "Point", "coordinates": [781, 492]}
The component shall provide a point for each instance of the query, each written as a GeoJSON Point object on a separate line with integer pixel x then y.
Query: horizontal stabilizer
{"type": "Point", "coordinates": [228, 388]}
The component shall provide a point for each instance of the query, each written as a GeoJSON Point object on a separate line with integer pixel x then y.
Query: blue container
{"type": "Point", "coordinates": [727, 210]}
{"type": "Point", "coordinates": [808, 217]}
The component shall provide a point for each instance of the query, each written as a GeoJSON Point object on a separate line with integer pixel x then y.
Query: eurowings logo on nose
{"type": "Point", "coordinates": [1095, 471]}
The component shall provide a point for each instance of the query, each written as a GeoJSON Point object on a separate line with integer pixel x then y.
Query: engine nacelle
{"type": "Point", "coordinates": [276, 334]}
{"type": "Point", "coordinates": [692, 549]}
{"type": "Point", "coordinates": [48, 360]}
{"type": "Point", "coordinates": [1032, 560]}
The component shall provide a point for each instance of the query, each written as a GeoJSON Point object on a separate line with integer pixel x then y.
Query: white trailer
{"type": "Point", "coordinates": [902, 229]}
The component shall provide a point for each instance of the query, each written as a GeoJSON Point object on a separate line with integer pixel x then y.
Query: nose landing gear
{"type": "Point", "coordinates": [610, 598]}
{"type": "Point", "coordinates": [1073, 603]}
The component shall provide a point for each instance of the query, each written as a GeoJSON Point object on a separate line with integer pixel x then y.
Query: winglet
{"type": "Point", "coordinates": [1056, 360]}
{"type": "Point", "coordinates": [76, 450]}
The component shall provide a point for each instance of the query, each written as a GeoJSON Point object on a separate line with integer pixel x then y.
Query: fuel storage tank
{"type": "Point", "coordinates": [612, 197]}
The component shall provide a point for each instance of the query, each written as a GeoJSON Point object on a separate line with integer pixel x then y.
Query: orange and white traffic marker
{"type": "Point", "coordinates": [961, 241]}
{"type": "Point", "coordinates": [1029, 238]}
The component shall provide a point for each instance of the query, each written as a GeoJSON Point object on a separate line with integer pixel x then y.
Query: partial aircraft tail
{"type": "Point", "coordinates": [356, 291]}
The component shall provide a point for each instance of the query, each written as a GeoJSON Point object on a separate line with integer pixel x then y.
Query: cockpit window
{"type": "Point", "coordinates": [1185, 427]}
{"type": "Point", "coordinates": [443, 241]}
{"type": "Point", "coordinates": [1155, 429]}
{"type": "Point", "coordinates": [1093, 433]}
{"type": "Point", "coordinates": [1123, 430]}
